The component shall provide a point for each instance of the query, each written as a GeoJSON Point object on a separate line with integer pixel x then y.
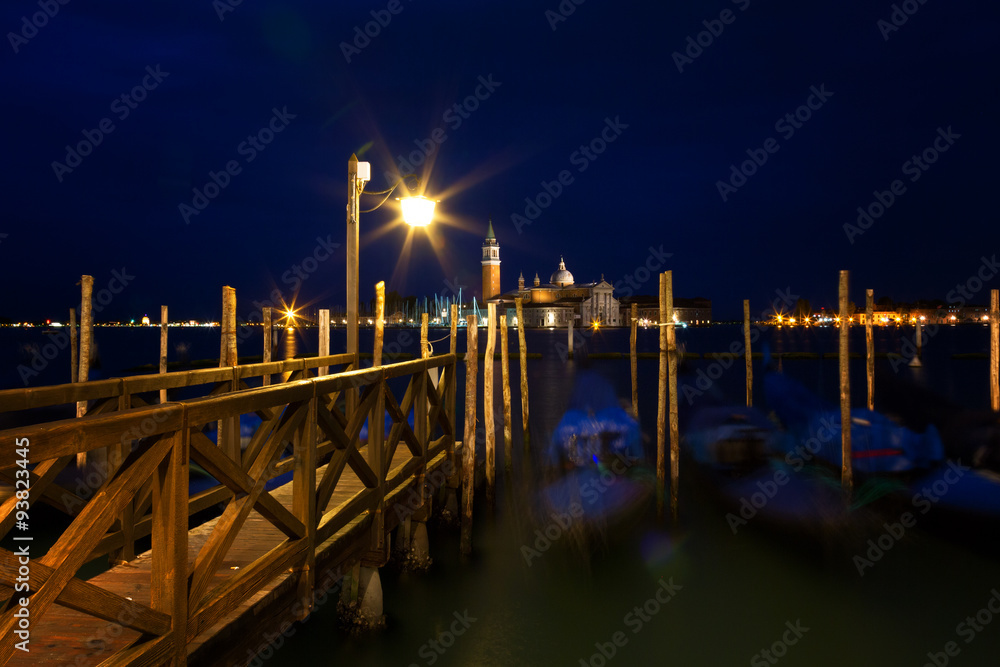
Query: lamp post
{"type": "Point", "coordinates": [417, 212]}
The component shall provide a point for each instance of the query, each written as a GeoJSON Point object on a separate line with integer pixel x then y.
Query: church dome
{"type": "Point", "coordinates": [562, 277]}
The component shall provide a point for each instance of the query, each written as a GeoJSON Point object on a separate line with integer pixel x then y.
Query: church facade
{"type": "Point", "coordinates": [551, 304]}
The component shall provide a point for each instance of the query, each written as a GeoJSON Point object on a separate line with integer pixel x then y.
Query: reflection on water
{"type": "Point", "coordinates": [289, 346]}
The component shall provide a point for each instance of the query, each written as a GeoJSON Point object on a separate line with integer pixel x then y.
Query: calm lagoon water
{"type": "Point", "coordinates": [733, 595]}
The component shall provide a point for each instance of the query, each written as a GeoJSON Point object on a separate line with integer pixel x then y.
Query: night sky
{"type": "Point", "coordinates": [641, 123]}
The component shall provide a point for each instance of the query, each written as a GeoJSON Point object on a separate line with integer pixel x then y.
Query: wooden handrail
{"type": "Point", "coordinates": [60, 394]}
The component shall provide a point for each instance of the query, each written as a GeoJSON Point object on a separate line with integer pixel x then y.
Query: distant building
{"type": "Point", "coordinates": [555, 303]}
{"type": "Point", "coordinates": [693, 311]}
{"type": "Point", "coordinates": [491, 265]}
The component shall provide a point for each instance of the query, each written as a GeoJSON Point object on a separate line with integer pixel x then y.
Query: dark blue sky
{"type": "Point", "coordinates": [554, 90]}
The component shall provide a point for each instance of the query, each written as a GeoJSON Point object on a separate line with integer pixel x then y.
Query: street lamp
{"type": "Point", "coordinates": [417, 212]}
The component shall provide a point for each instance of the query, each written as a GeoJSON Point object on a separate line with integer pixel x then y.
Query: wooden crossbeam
{"type": "Point", "coordinates": [87, 598]}
{"type": "Point", "coordinates": [331, 476]}
{"type": "Point", "coordinates": [401, 427]}
{"type": "Point", "coordinates": [259, 437]}
{"type": "Point", "coordinates": [71, 550]}
{"type": "Point", "coordinates": [40, 479]}
{"type": "Point", "coordinates": [234, 516]}
{"type": "Point", "coordinates": [221, 467]}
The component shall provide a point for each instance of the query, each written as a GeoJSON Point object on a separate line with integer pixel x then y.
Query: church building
{"type": "Point", "coordinates": [552, 304]}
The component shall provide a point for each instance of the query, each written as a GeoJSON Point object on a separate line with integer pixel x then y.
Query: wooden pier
{"type": "Point", "coordinates": [208, 593]}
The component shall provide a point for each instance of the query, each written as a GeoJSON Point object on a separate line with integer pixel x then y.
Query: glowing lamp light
{"type": "Point", "coordinates": [417, 211]}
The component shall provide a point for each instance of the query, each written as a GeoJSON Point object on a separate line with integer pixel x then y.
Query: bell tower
{"type": "Point", "coordinates": [491, 265]}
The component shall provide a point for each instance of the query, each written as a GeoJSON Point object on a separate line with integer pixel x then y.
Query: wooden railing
{"type": "Point", "coordinates": [131, 392]}
{"type": "Point", "coordinates": [147, 491]}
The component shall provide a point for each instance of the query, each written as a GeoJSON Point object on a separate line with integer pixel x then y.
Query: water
{"type": "Point", "coordinates": [734, 594]}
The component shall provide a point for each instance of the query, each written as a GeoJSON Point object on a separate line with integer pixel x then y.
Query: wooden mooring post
{"type": "Point", "coordinates": [228, 437]}
{"type": "Point", "coordinates": [164, 319]}
{"type": "Point", "coordinates": [86, 336]}
{"type": "Point", "coordinates": [661, 410]}
{"type": "Point", "coordinates": [508, 462]}
{"type": "Point", "coordinates": [633, 357]}
{"type": "Point", "coordinates": [488, 420]}
{"type": "Point", "coordinates": [746, 351]}
{"type": "Point", "coordinates": [675, 438]}
{"type": "Point", "coordinates": [569, 338]}
{"type": "Point", "coordinates": [266, 315]}
{"type": "Point", "coordinates": [870, 346]}
{"type": "Point", "coordinates": [323, 348]}
{"type": "Point", "coordinates": [469, 440]}
{"type": "Point", "coordinates": [995, 350]}
{"type": "Point", "coordinates": [86, 339]}
{"type": "Point", "coordinates": [846, 471]}
{"type": "Point", "coordinates": [522, 351]}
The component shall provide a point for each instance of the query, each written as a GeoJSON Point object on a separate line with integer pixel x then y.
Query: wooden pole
{"type": "Point", "coordinates": [323, 349]}
{"type": "Point", "coordinates": [505, 373]}
{"type": "Point", "coordinates": [163, 349]}
{"type": "Point", "coordinates": [569, 338]}
{"type": "Point", "coordinates": [86, 335]}
{"type": "Point", "coordinates": [675, 438]}
{"type": "Point", "coordinates": [223, 350]}
{"type": "Point", "coordinates": [469, 443]}
{"type": "Point", "coordinates": [453, 385]}
{"type": "Point", "coordinates": [846, 472]}
{"type": "Point", "coordinates": [746, 351]}
{"type": "Point", "coordinates": [379, 322]}
{"type": "Point", "coordinates": [919, 334]}
{"type": "Point", "coordinates": [994, 350]}
{"type": "Point", "coordinates": [425, 351]}
{"type": "Point", "coordinates": [74, 351]}
{"type": "Point", "coordinates": [633, 355]}
{"type": "Point", "coordinates": [86, 338]}
{"type": "Point", "coordinates": [229, 429]}
{"type": "Point", "coordinates": [268, 332]}
{"type": "Point", "coordinates": [661, 410]}
{"type": "Point", "coordinates": [870, 346]}
{"type": "Point", "coordinates": [488, 423]}
{"type": "Point", "coordinates": [522, 351]}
